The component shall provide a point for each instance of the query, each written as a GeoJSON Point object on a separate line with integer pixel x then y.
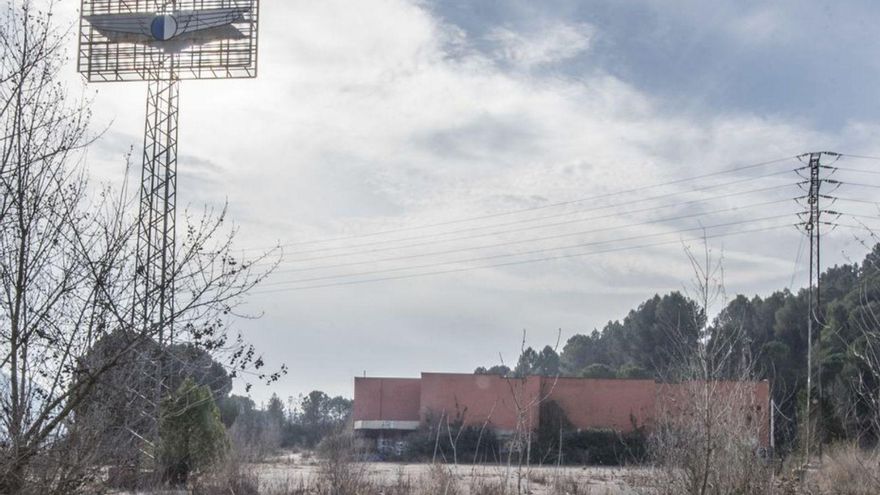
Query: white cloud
{"type": "Point", "coordinates": [552, 43]}
{"type": "Point", "coordinates": [762, 25]}
{"type": "Point", "coordinates": [378, 115]}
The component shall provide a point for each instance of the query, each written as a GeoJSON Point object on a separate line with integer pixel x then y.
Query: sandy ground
{"type": "Point", "coordinates": [292, 469]}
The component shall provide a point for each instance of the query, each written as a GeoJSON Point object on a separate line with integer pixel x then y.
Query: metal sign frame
{"type": "Point", "coordinates": [223, 52]}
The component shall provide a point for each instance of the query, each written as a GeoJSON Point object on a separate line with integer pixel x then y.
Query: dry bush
{"type": "Point", "coordinates": [402, 484]}
{"type": "Point", "coordinates": [556, 484]}
{"type": "Point", "coordinates": [254, 438]}
{"type": "Point", "coordinates": [230, 479]}
{"type": "Point", "coordinates": [338, 473]}
{"type": "Point", "coordinates": [847, 470]}
{"type": "Point", "coordinates": [569, 485]}
{"type": "Point", "coordinates": [538, 477]}
{"type": "Point", "coordinates": [710, 421]}
{"type": "Point", "coordinates": [717, 459]}
{"type": "Point", "coordinates": [479, 486]}
{"type": "Point", "coordinates": [440, 480]}
{"type": "Point", "coordinates": [344, 476]}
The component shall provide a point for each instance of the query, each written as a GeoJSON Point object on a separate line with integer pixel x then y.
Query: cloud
{"type": "Point", "coordinates": [428, 126]}
{"type": "Point", "coordinates": [546, 45]}
{"type": "Point", "coordinates": [396, 115]}
{"type": "Point", "coordinates": [761, 26]}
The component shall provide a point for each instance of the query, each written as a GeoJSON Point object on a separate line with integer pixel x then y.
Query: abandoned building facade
{"type": "Point", "coordinates": [387, 409]}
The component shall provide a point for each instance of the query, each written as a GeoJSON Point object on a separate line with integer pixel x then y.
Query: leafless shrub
{"type": "Point", "coordinates": [228, 478]}
{"type": "Point", "coordinates": [710, 424]}
{"type": "Point", "coordinates": [519, 452]}
{"type": "Point", "coordinates": [550, 483]}
{"type": "Point", "coordinates": [490, 486]}
{"type": "Point", "coordinates": [254, 437]}
{"type": "Point", "coordinates": [402, 484]}
{"type": "Point", "coordinates": [538, 477]}
{"type": "Point", "coordinates": [441, 480]}
{"type": "Point", "coordinates": [339, 473]}
{"type": "Point", "coordinates": [711, 446]}
{"type": "Point", "coordinates": [569, 485]}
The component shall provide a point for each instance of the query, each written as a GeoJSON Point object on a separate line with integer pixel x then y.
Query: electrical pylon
{"type": "Point", "coordinates": [812, 225]}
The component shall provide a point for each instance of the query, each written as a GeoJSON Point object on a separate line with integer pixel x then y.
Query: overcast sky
{"type": "Point", "coordinates": [377, 115]}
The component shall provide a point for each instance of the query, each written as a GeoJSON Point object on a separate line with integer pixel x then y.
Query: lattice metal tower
{"type": "Point", "coordinates": [163, 42]}
{"type": "Point", "coordinates": [154, 286]}
{"type": "Point", "coordinates": [814, 218]}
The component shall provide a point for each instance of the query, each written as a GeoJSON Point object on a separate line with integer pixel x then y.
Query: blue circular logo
{"type": "Point", "coordinates": [163, 27]}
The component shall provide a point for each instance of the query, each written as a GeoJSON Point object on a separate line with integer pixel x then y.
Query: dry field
{"type": "Point", "coordinates": [844, 471]}
{"type": "Point", "coordinates": [294, 470]}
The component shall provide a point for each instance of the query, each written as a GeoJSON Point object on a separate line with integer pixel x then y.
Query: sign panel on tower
{"type": "Point", "coordinates": [126, 40]}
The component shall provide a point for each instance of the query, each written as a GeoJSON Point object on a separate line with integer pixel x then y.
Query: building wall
{"type": "Point", "coordinates": [587, 403]}
{"type": "Point", "coordinates": [751, 399]}
{"type": "Point", "coordinates": [390, 399]}
{"type": "Point", "coordinates": [480, 399]}
{"type": "Point", "coordinates": [595, 403]}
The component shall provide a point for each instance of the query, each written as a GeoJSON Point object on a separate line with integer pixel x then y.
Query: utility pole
{"type": "Point", "coordinates": [812, 225]}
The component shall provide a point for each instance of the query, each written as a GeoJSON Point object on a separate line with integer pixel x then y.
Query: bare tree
{"type": "Point", "coordinates": [711, 419]}
{"type": "Point", "coordinates": [66, 267]}
{"type": "Point", "coordinates": [527, 407]}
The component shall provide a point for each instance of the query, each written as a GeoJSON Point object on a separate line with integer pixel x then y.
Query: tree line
{"type": "Point", "coordinates": [304, 422]}
{"type": "Point", "coordinates": [769, 333]}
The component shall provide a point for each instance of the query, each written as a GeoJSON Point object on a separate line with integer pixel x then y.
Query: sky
{"type": "Point", "coordinates": [391, 139]}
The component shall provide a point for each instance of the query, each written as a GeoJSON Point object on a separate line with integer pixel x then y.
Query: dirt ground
{"type": "Point", "coordinates": [293, 469]}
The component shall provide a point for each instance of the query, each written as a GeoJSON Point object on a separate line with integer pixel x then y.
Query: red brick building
{"type": "Point", "coordinates": [393, 406]}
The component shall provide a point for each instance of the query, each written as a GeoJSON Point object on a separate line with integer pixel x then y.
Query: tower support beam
{"type": "Point", "coordinates": [153, 311]}
{"type": "Point", "coordinates": [154, 286]}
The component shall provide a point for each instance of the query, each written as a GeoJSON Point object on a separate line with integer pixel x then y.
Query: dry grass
{"type": "Point", "coordinates": [345, 478]}
{"type": "Point", "coordinates": [846, 470]}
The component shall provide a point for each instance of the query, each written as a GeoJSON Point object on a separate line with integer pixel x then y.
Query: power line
{"type": "Point", "coordinates": [514, 263]}
{"type": "Point", "coordinates": [537, 239]}
{"type": "Point", "coordinates": [529, 220]}
{"type": "Point", "coordinates": [859, 227]}
{"type": "Point", "coordinates": [797, 260]}
{"type": "Point", "coordinates": [536, 208]}
{"type": "Point", "coordinates": [507, 255]}
{"type": "Point", "coordinates": [858, 170]}
{"type": "Point", "coordinates": [853, 200]}
{"type": "Point", "coordinates": [864, 157]}
{"type": "Point", "coordinates": [434, 236]}
{"type": "Point", "coordinates": [858, 184]}
{"type": "Point", "coordinates": [869, 217]}
{"type": "Point", "coordinates": [434, 240]}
